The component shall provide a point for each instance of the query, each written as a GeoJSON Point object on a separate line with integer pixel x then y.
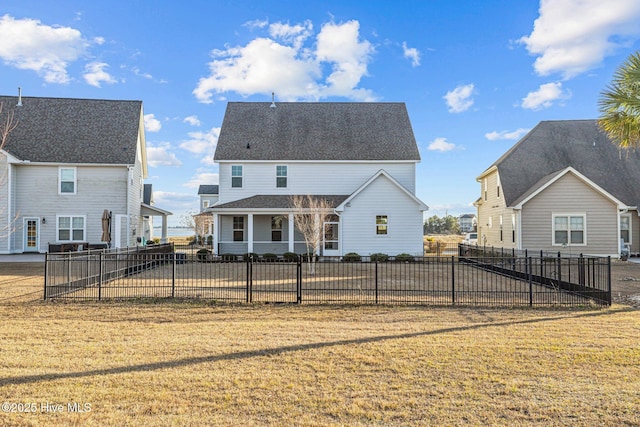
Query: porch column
{"type": "Point", "coordinates": [165, 231]}
{"type": "Point", "coordinates": [292, 232]}
{"type": "Point", "coordinates": [250, 233]}
{"type": "Point", "coordinates": [216, 230]}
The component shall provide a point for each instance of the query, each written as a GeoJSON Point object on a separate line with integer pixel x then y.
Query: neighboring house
{"type": "Point", "coordinates": [563, 187]}
{"type": "Point", "coordinates": [361, 157]}
{"type": "Point", "coordinates": [66, 164]}
{"type": "Point", "coordinates": [148, 205]}
{"type": "Point", "coordinates": [208, 196]}
{"type": "Point", "coordinates": [467, 223]}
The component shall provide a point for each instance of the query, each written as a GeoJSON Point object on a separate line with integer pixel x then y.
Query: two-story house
{"type": "Point", "coordinates": [563, 187]}
{"type": "Point", "coordinates": [360, 157]}
{"type": "Point", "coordinates": [68, 163]}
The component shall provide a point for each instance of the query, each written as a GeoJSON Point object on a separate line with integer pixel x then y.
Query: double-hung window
{"type": "Point", "coordinates": [276, 228]}
{"type": "Point", "coordinates": [569, 229]}
{"type": "Point", "coordinates": [236, 176]}
{"type": "Point", "coordinates": [238, 228]}
{"type": "Point", "coordinates": [71, 228]}
{"type": "Point", "coordinates": [281, 176]}
{"type": "Point", "coordinates": [625, 228]}
{"type": "Point", "coordinates": [67, 180]}
{"type": "Point", "coordinates": [382, 224]}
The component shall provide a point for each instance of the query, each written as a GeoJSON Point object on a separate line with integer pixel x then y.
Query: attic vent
{"type": "Point", "coordinates": [19, 104]}
{"type": "Point", "coordinates": [273, 100]}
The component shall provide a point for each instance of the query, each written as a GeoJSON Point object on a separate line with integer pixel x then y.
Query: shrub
{"type": "Point", "coordinates": [404, 258]}
{"type": "Point", "coordinates": [203, 254]}
{"type": "Point", "coordinates": [351, 257]}
{"type": "Point", "coordinates": [269, 257]}
{"type": "Point", "coordinates": [379, 257]}
{"type": "Point", "coordinates": [290, 257]}
{"type": "Point", "coordinates": [210, 240]}
{"type": "Point", "coordinates": [228, 257]}
{"type": "Point", "coordinates": [305, 257]}
{"type": "Point", "coordinates": [251, 255]}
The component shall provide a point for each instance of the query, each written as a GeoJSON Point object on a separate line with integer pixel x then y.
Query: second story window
{"type": "Point", "coordinates": [67, 181]}
{"type": "Point", "coordinates": [281, 176]}
{"type": "Point", "coordinates": [236, 176]}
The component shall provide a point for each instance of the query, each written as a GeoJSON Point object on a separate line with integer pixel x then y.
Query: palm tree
{"type": "Point", "coordinates": [620, 105]}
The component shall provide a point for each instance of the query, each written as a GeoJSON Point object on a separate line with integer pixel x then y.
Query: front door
{"type": "Point", "coordinates": [331, 240]}
{"type": "Point", "coordinates": [31, 234]}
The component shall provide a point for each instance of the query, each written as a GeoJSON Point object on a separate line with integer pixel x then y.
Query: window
{"type": "Point", "coordinates": [276, 228]}
{"type": "Point", "coordinates": [238, 228]}
{"type": "Point", "coordinates": [569, 230]}
{"type": "Point", "coordinates": [236, 176]}
{"type": "Point", "coordinates": [625, 228]}
{"type": "Point", "coordinates": [485, 188]}
{"type": "Point", "coordinates": [67, 181]}
{"type": "Point", "coordinates": [281, 176]}
{"type": "Point", "coordinates": [501, 229]}
{"type": "Point", "coordinates": [382, 224]}
{"type": "Point", "coordinates": [498, 191]}
{"type": "Point", "coordinates": [71, 228]}
{"type": "Point", "coordinates": [513, 228]}
{"type": "Point", "coordinates": [205, 204]}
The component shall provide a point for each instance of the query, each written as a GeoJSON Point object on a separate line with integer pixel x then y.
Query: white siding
{"type": "Point", "coordinates": [136, 223]}
{"type": "Point", "coordinates": [5, 205]}
{"type": "Point", "coordinates": [358, 221]}
{"type": "Point", "coordinates": [36, 190]}
{"type": "Point", "coordinates": [309, 178]}
{"type": "Point", "coordinates": [569, 195]}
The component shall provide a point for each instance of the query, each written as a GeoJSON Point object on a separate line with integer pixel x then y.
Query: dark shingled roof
{"type": "Point", "coordinates": [555, 145]}
{"type": "Point", "coordinates": [275, 202]}
{"type": "Point", "coordinates": [316, 131]}
{"type": "Point", "coordinates": [208, 189]}
{"type": "Point", "coordinates": [61, 130]}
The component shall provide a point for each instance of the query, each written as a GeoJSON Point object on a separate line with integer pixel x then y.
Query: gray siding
{"type": "Point", "coordinates": [569, 195]}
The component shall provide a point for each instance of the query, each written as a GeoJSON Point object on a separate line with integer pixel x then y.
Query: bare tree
{"type": "Point", "coordinates": [198, 223]}
{"type": "Point", "coordinates": [310, 213]}
{"type": "Point", "coordinates": [7, 124]}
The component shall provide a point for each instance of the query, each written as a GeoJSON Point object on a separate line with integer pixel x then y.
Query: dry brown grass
{"type": "Point", "coordinates": [199, 364]}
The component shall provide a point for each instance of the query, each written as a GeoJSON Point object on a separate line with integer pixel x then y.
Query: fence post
{"type": "Point", "coordinates": [100, 276]}
{"type": "Point", "coordinates": [248, 279]}
{"type": "Point", "coordinates": [299, 280]}
{"type": "Point", "coordinates": [376, 263]}
{"type": "Point", "coordinates": [530, 262]}
{"type": "Point", "coordinates": [173, 273]}
{"type": "Point", "coordinates": [609, 279]}
{"type": "Point", "coordinates": [453, 281]}
{"type": "Point", "coordinates": [46, 271]}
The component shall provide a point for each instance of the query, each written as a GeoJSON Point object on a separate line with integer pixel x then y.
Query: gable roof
{"type": "Point", "coordinates": [377, 175]}
{"type": "Point", "coordinates": [553, 146]}
{"type": "Point", "coordinates": [316, 131]}
{"type": "Point", "coordinates": [208, 189]}
{"type": "Point", "coordinates": [67, 130]}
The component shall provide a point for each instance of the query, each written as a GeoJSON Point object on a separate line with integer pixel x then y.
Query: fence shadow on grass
{"type": "Point", "coordinates": [247, 354]}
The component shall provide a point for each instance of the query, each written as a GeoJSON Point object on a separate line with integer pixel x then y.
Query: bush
{"type": "Point", "coordinates": [351, 257]}
{"type": "Point", "coordinates": [404, 258]}
{"type": "Point", "coordinates": [251, 255]}
{"type": "Point", "coordinates": [269, 257]}
{"type": "Point", "coordinates": [379, 257]}
{"type": "Point", "coordinates": [305, 257]}
{"type": "Point", "coordinates": [210, 240]}
{"type": "Point", "coordinates": [290, 257]}
{"type": "Point", "coordinates": [203, 254]}
{"type": "Point", "coordinates": [229, 257]}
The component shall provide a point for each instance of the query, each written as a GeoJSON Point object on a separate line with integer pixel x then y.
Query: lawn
{"type": "Point", "coordinates": [179, 364]}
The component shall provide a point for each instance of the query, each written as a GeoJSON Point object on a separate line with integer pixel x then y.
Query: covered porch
{"type": "Point", "coordinates": [266, 225]}
{"type": "Point", "coordinates": [148, 211]}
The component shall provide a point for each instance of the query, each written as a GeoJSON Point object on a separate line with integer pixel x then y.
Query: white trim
{"type": "Point", "coordinates": [581, 177]}
{"type": "Point", "coordinates": [232, 176]}
{"type": "Point", "coordinates": [628, 215]}
{"type": "Point", "coordinates": [381, 172]}
{"type": "Point", "coordinates": [25, 230]}
{"type": "Point", "coordinates": [71, 217]}
{"type": "Point", "coordinates": [286, 177]}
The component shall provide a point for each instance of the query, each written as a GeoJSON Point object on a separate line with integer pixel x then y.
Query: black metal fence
{"type": "Point", "coordinates": [163, 271]}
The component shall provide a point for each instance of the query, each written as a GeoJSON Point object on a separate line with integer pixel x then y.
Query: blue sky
{"type": "Point", "coordinates": [475, 75]}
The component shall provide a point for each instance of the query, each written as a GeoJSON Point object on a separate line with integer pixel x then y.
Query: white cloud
{"type": "Point", "coordinates": [544, 96]}
{"type": "Point", "coordinates": [441, 144]}
{"type": "Point", "coordinates": [202, 178]}
{"type": "Point", "coordinates": [256, 24]}
{"type": "Point", "coordinates": [151, 124]}
{"type": "Point", "coordinates": [27, 44]}
{"type": "Point", "coordinates": [411, 53]}
{"type": "Point", "coordinates": [161, 156]}
{"type": "Point", "coordinates": [95, 74]}
{"type": "Point", "coordinates": [202, 143]}
{"type": "Point", "coordinates": [282, 64]}
{"type": "Point", "coordinates": [511, 135]}
{"type": "Point", "coordinates": [460, 99]}
{"type": "Point", "coordinates": [573, 36]}
{"type": "Point", "coordinates": [139, 73]}
{"type": "Point", "coordinates": [192, 120]}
